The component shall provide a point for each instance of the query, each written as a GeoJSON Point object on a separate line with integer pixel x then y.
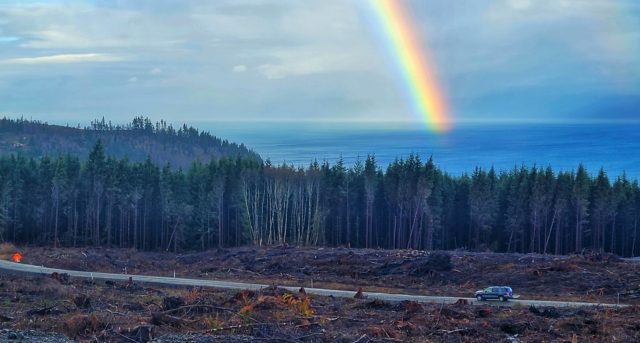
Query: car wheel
{"type": "Point", "coordinates": [501, 298]}
{"type": "Point", "coordinates": [479, 297]}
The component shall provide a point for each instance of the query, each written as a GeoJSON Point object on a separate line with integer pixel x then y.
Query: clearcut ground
{"type": "Point", "coordinates": [591, 278]}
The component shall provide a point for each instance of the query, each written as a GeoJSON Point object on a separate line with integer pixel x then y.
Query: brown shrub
{"type": "Point", "coordinates": [383, 331]}
{"type": "Point", "coordinates": [46, 287]}
{"type": "Point", "coordinates": [462, 302]}
{"type": "Point", "coordinates": [305, 308]}
{"type": "Point", "coordinates": [562, 266]}
{"type": "Point", "coordinates": [412, 307]}
{"type": "Point", "coordinates": [80, 324]}
{"type": "Point", "coordinates": [378, 304]}
{"type": "Point", "coordinates": [172, 303]}
{"type": "Point", "coordinates": [82, 301]}
{"type": "Point", "coordinates": [193, 295]}
{"type": "Point", "coordinates": [360, 294]}
{"type": "Point", "coordinates": [243, 296]}
{"type": "Point", "coordinates": [63, 278]}
{"type": "Point", "coordinates": [513, 328]}
{"type": "Point", "coordinates": [484, 312]}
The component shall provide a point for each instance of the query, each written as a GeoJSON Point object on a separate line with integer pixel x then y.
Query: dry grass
{"type": "Point", "coordinates": [75, 325]}
{"type": "Point", "coordinates": [281, 315]}
{"type": "Point", "coordinates": [6, 250]}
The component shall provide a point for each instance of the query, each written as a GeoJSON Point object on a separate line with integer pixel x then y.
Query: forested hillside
{"type": "Point", "coordinates": [103, 201]}
{"type": "Point", "coordinates": [138, 140]}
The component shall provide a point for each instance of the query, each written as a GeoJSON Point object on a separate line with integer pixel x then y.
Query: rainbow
{"type": "Point", "coordinates": [417, 73]}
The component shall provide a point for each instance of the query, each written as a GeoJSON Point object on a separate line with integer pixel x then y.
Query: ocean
{"type": "Point", "coordinates": [614, 147]}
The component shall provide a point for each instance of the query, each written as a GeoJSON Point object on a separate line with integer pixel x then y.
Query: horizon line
{"type": "Point", "coordinates": [459, 121]}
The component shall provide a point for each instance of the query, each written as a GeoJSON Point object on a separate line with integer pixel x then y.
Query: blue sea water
{"type": "Point", "coordinates": [614, 147]}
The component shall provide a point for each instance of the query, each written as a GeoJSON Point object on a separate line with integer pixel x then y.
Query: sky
{"type": "Point", "coordinates": [316, 60]}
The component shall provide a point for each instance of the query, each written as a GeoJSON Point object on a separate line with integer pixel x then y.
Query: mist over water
{"type": "Point", "coordinates": [615, 147]}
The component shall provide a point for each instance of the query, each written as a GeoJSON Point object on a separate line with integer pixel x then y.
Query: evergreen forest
{"type": "Point", "coordinates": [236, 199]}
{"type": "Point", "coordinates": [138, 140]}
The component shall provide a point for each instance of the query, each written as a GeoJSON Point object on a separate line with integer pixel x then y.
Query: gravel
{"type": "Point", "coordinates": [202, 339]}
{"type": "Point", "coordinates": [11, 336]}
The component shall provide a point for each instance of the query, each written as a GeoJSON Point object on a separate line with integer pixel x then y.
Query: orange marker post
{"type": "Point", "coordinates": [17, 257]}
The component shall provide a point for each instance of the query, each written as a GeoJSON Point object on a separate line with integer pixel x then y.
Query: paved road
{"type": "Point", "coordinates": [31, 269]}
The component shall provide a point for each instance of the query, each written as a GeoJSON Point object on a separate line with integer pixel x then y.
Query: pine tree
{"type": "Point", "coordinates": [580, 199]}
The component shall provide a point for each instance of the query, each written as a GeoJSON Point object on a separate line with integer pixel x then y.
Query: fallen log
{"type": "Point", "coordinates": [160, 318]}
{"type": "Point", "coordinates": [188, 307]}
{"type": "Point", "coordinates": [44, 311]}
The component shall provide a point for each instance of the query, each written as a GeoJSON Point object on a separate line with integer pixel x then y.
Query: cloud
{"type": "Point", "coordinates": [64, 58]}
{"type": "Point", "coordinates": [8, 39]}
{"type": "Point", "coordinates": [239, 68]}
{"type": "Point", "coordinates": [519, 4]}
{"type": "Point", "coordinates": [311, 61]}
{"type": "Point", "coordinates": [55, 38]}
{"type": "Point", "coordinates": [490, 56]}
{"type": "Point", "coordinates": [294, 68]}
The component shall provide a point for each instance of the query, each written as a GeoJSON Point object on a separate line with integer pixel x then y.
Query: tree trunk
{"type": "Point", "coordinates": [578, 229]}
{"type": "Point", "coordinates": [550, 230]}
{"type": "Point", "coordinates": [613, 235]}
{"type": "Point", "coordinates": [55, 226]}
{"type": "Point", "coordinates": [635, 237]}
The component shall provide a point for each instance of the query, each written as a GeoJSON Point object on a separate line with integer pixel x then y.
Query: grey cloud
{"type": "Point", "coordinates": [64, 58]}
{"type": "Point", "coordinates": [210, 60]}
